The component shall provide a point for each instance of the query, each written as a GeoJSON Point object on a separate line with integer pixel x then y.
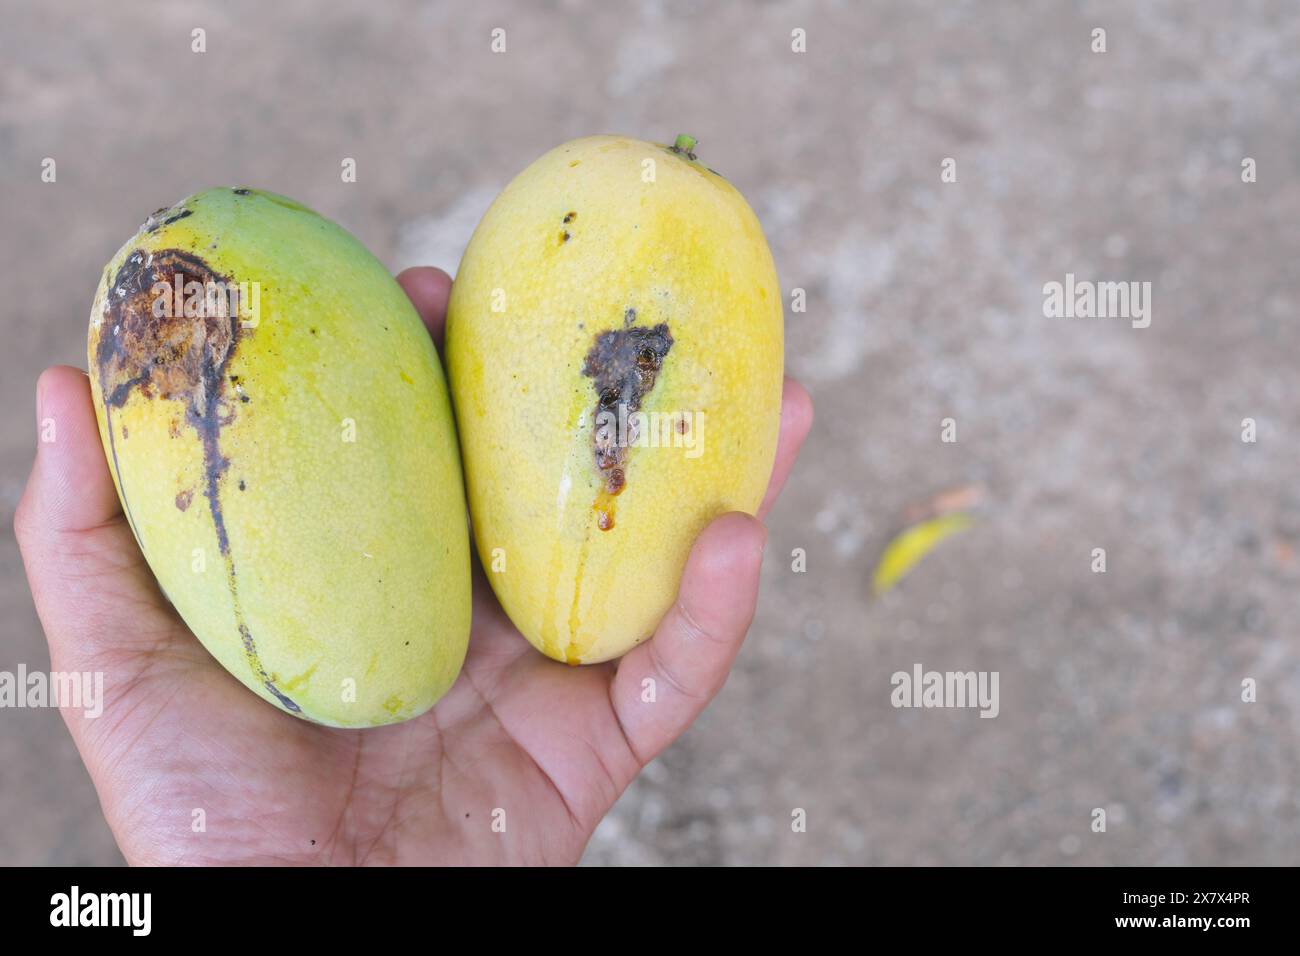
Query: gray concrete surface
{"type": "Point", "coordinates": [924, 301]}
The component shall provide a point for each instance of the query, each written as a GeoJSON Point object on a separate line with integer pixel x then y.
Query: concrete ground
{"type": "Point", "coordinates": [1120, 690]}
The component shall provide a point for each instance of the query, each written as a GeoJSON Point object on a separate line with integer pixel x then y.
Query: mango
{"type": "Point", "coordinates": [614, 347]}
{"type": "Point", "coordinates": [278, 427]}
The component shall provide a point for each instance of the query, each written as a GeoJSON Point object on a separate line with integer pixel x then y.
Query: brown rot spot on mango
{"type": "Point", "coordinates": [623, 365]}
{"type": "Point", "coordinates": [241, 191]}
{"type": "Point", "coordinates": [184, 498]}
{"type": "Point", "coordinates": [148, 344]}
{"type": "Point", "coordinates": [145, 337]}
{"type": "Point", "coordinates": [169, 328]}
{"type": "Point", "coordinates": [604, 508]}
{"type": "Point", "coordinates": [569, 217]}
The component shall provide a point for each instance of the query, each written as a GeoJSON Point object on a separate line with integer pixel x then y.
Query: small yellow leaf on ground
{"type": "Point", "coordinates": [911, 545]}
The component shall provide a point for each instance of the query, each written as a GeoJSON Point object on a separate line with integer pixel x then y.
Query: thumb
{"type": "Point", "coordinates": [94, 592]}
{"type": "Point", "coordinates": [70, 488]}
{"type": "Point", "coordinates": [663, 685]}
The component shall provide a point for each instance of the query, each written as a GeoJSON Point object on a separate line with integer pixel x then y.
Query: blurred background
{"type": "Point", "coordinates": [1119, 690]}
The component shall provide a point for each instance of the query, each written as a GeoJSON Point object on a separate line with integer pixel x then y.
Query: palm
{"type": "Point", "coordinates": [516, 763]}
{"type": "Point", "coordinates": [483, 777]}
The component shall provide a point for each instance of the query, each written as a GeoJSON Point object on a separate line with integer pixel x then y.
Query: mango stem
{"type": "Point", "coordinates": [685, 144]}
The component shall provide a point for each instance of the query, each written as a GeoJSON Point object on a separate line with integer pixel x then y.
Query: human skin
{"type": "Point", "coordinates": [520, 740]}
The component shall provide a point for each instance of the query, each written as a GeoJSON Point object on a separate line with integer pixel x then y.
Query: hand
{"type": "Point", "coordinates": [551, 745]}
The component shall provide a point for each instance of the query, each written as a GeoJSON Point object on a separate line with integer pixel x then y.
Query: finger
{"type": "Point", "coordinates": [70, 487]}
{"type": "Point", "coordinates": [664, 684]}
{"type": "Point", "coordinates": [92, 588]}
{"type": "Point", "coordinates": [796, 420]}
{"type": "Point", "coordinates": [428, 289]}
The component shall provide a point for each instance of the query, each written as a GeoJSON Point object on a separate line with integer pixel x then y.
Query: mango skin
{"type": "Point", "coordinates": [573, 243]}
{"type": "Point", "coordinates": [302, 561]}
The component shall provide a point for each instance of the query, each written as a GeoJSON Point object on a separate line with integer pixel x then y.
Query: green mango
{"type": "Point", "coordinates": [278, 426]}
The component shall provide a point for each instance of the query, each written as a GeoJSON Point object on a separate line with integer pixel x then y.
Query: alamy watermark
{"type": "Point", "coordinates": [628, 429]}
{"type": "Point", "coordinates": [922, 688]}
{"type": "Point", "coordinates": [83, 690]}
{"type": "Point", "coordinates": [211, 299]}
{"type": "Point", "coordinates": [1086, 299]}
{"type": "Point", "coordinates": [132, 911]}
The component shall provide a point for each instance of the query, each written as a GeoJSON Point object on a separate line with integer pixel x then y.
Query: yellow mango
{"type": "Point", "coordinates": [614, 347]}
{"type": "Point", "coordinates": [277, 424]}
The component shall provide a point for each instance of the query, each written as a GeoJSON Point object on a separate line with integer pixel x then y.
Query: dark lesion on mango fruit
{"type": "Point", "coordinates": [564, 234]}
{"type": "Point", "coordinates": [623, 365]}
{"type": "Point", "coordinates": [142, 347]}
{"type": "Point", "coordinates": [165, 355]}
{"type": "Point", "coordinates": [165, 217]}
